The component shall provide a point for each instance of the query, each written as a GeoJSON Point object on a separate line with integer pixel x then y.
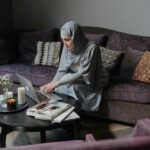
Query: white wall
{"type": "Point", "coordinates": [5, 15]}
{"type": "Point", "coordinates": [131, 16]}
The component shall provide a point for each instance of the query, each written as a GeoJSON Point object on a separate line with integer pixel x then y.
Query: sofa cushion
{"type": "Point", "coordinates": [142, 71]}
{"type": "Point", "coordinates": [28, 41]}
{"type": "Point", "coordinates": [142, 128]}
{"type": "Point", "coordinates": [131, 91]}
{"type": "Point", "coordinates": [98, 38]}
{"type": "Point", "coordinates": [121, 41]}
{"type": "Point", "coordinates": [48, 53]}
{"type": "Point", "coordinates": [110, 58]}
{"type": "Point", "coordinates": [130, 60]}
{"type": "Point", "coordinates": [38, 75]}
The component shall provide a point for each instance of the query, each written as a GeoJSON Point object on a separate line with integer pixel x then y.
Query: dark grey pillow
{"type": "Point", "coordinates": [100, 39]}
{"type": "Point", "coordinates": [7, 51]}
{"type": "Point", "coordinates": [109, 58]}
{"type": "Point", "coordinates": [130, 60]}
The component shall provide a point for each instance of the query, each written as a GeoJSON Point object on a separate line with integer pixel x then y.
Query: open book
{"type": "Point", "coordinates": [50, 110]}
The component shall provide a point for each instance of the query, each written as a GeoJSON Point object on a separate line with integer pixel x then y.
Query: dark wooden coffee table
{"type": "Point", "coordinates": [19, 121]}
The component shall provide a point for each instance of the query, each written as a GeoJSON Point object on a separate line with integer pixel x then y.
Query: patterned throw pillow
{"type": "Point", "coordinates": [142, 71]}
{"type": "Point", "coordinates": [109, 57]}
{"type": "Point", "coordinates": [48, 53]}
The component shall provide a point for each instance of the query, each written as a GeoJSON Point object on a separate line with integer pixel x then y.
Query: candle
{"type": "Point", "coordinates": [21, 95]}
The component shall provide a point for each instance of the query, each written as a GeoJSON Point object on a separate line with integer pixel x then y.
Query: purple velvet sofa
{"type": "Point", "coordinates": [139, 139]}
{"type": "Point", "coordinates": [123, 98]}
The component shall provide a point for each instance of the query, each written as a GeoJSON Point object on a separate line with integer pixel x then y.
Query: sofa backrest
{"type": "Point", "coordinates": [131, 46]}
{"type": "Point", "coordinates": [27, 43]}
{"type": "Point", "coordinates": [123, 41]}
{"type": "Point", "coordinates": [97, 31]}
{"type": "Point", "coordinates": [8, 48]}
{"type": "Point", "coordinates": [138, 143]}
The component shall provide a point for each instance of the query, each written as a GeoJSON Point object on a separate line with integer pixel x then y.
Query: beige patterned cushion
{"type": "Point", "coordinates": [109, 57]}
{"type": "Point", "coordinates": [48, 53]}
{"type": "Point", "coordinates": [142, 71]}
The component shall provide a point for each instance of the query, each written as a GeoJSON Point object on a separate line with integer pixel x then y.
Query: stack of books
{"type": "Point", "coordinates": [54, 111]}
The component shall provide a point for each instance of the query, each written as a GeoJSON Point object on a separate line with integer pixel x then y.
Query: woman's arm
{"type": "Point", "coordinates": [69, 78]}
{"type": "Point", "coordinates": [63, 67]}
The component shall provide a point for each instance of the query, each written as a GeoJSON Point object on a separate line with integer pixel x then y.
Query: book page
{"type": "Point", "coordinates": [72, 116]}
{"type": "Point", "coordinates": [64, 115]}
{"type": "Point", "coordinates": [48, 110]}
{"type": "Point", "coordinates": [55, 109]}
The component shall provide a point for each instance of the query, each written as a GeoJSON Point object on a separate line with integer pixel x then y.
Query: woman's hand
{"type": "Point", "coordinates": [49, 87]}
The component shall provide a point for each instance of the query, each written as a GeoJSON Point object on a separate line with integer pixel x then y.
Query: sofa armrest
{"type": "Point", "coordinates": [142, 128]}
{"type": "Point", "coordinates": [136, 143]}
{"type": "Point", "coordinates": [62, 145]}
{"type": "Point", "coordinates": [89, 138]}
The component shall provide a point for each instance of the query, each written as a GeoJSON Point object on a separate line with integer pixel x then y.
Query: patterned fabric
{"type": "Point", "coordinates": [109, 57]}
{"type": "Point", "coordinates": [47, 53]}
{"type": "Point", "coordinates": [142, 71]}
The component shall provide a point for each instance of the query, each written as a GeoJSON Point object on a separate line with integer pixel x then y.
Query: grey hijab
{"type": "Point", "coordinates": [73, 30]}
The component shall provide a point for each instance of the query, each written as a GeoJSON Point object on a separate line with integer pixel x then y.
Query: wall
{"type": "Point", "coordinates": [131, 16]}
{"type": "Point", "coordinates": [5, 15]}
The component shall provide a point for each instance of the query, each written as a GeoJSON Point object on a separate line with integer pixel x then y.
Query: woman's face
{"type": "Point", "coordinates": [68, 42]}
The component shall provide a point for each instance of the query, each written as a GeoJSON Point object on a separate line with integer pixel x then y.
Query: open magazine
{"type": "Point", "coordinates": [52, 110]}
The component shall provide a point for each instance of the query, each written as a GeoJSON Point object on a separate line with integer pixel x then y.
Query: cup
{"type": "Point", "coordinates": [11, 104]}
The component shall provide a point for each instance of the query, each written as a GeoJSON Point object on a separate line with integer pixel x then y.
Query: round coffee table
{"type": "Point", "coordinates": [19, 121]}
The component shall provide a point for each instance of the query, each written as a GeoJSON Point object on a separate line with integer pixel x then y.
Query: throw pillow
{"type": "Point", "coordinates": [47, 53]}
{"type": "Point", "coordinates": [142, 71]}
{"type": "Point", "coordinates": [109, 58]}
{"type": "Point", "coordinates": [7, 50]}
{"type": "Point", "coordinates": [130, 60]}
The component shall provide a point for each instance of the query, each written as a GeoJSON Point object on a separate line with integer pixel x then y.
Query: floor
{"type": "Point", "coordinates": [99, 128]}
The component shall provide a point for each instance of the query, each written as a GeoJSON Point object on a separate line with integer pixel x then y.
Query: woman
{"type": "Point", "coordinates": [80, 70]}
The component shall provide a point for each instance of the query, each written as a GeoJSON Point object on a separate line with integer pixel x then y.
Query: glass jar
{"type": "Point", "coordinates": [4, 101]}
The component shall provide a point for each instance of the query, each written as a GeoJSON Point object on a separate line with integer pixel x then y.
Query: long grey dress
{"type": "Point", "coordinates": [80, 71]}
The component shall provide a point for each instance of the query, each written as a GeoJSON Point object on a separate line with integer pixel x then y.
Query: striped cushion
{"type": "Point", "coordinates": [48, 53]}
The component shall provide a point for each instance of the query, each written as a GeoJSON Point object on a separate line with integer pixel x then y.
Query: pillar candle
{"type": "Point", "coordinates": [21, 95]}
